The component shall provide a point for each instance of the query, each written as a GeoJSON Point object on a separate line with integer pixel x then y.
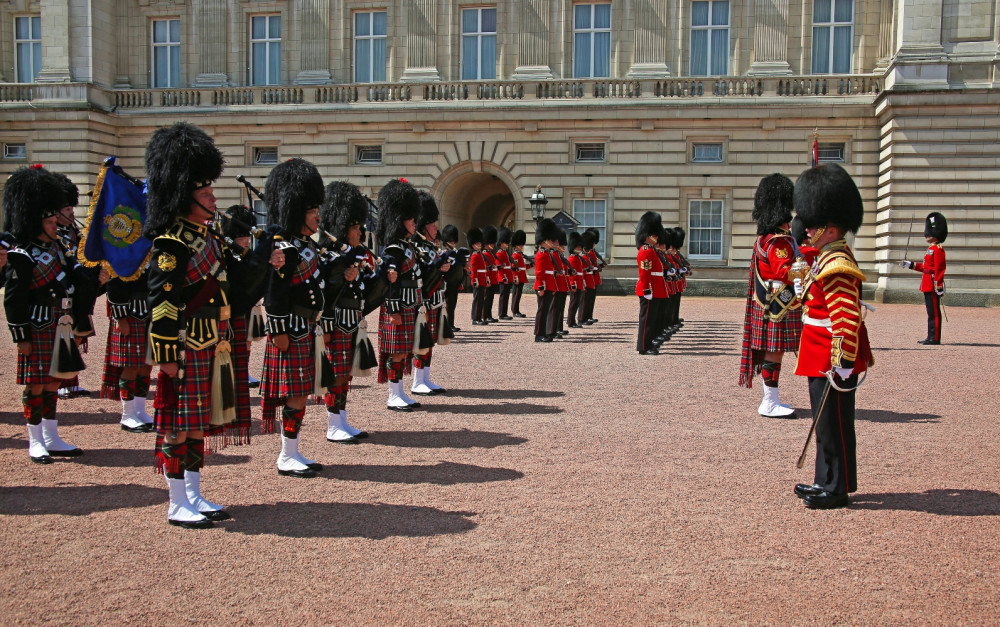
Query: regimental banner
{"type": "Point", "coordinates": [112, 236]}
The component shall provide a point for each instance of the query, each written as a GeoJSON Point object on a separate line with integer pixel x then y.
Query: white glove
{"type": "Point", "coordinates": [648, 296]}
{"type": "Point", "coordinates": [906, 264]}
{"type": "Point", "coordinates": [797, 286]}
{"type": "Point", "coordinates": [940, 291]}
{"type": "Point", "coordinates": [844, 373]}
{"type": "Point", "coordinates": [671, 272]}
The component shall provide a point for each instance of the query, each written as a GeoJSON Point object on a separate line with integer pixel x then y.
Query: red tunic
{"type": "Point", "coordinates": [833, 332]}
{"type": "Point", "coordinates": [578, 279]}
{"type": "Point", "coordinates": [545, 271]}
{"type": "Point", "coordinates": [933, 268]}
{"type": "Point", "coordinates": [650, 273]}
{"type": "Point", "coordinates": [491, 267]}
{"type": "Point", "coordinates": [779, 249]}
{"type": "Point", "coordinates": [589, 272]}
{"type": "Point", "coordinates": [517, 258]}
{"type": "Point", "coordinates": [597, 265]}
{"type": "Point", "coordinates": [504, 269]}
{"type": "Point", "coordinates": [477, 268]}
{"type": "Point", "coordinates": [562, 280]}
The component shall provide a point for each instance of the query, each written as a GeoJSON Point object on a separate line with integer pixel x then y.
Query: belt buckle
{"type": "Point", "coordinates": [67, 303]}
{"type": "Point", "coordinates": [225, 312]}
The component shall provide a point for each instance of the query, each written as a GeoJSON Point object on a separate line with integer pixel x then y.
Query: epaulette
{"type": "Point", "coordinates": [838, 262]}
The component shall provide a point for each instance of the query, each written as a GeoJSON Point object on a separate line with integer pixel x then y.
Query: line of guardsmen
{"type": "Point", "coordinates": [663, 273]}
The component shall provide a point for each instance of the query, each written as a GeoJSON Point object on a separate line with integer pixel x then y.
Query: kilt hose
{"type": "Point", "coordinates": [761, 335]}
{"type": "Point", "coordinates": [394, 339]}
{"type": "Point", "coordinates": [340, 352]}
{"type": "Point", "coordinates": [238, 431]}
{"type": "Point", "coordinates": [288, 374]}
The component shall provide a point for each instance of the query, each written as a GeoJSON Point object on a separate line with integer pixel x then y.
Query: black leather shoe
{"type": "Point", "coordinates": [928, 342]}
{"type": "Point", "coordinates": [492, 320]}
{"type": "Point", "coordinates": [520, 315]}
{"type": "Point", "coordinates": [146, 428]}
{"type": "Point", "coordinates": [439, 391]}
{"type": "Point", "coordinates": [826, 500]}
{"type": "Point", "coordinates": [306, 473]}
{"type": "Point", "coordinates": [539, 338]}
{"type": "Point", "coordinates": [649, 351]}
{"type": "Point", "coordinates": [414, 405]}
{"type": "Point", "coordinates": [802, 490]}
{"type": "Point", "coordinates": [43, 459]}
{"type": "Point", "coordinates": [73, 452]}
{"type": "Point", "coordinates": [431, 393]}
{"type": "Point", "coordinates": [318, 467]}
{"type": "Point", "coordinates": [506, 318]}
{"type": "Point", "coordinates": [478, 323]}
{"type": "Point", "coordinates": [546, 338]}
{"type": "Point", "coordinates": [455, 329]}
{"type": "Point", "coordinates": [590, 321]}
{"type": "Point", "coordinates": [576, 326]}
{"type": "Point", "coordinates": [352, 440]}
{"type": "Point", "coordinates": [361, 435]}
{"type": "Point", "coordinates": [201, 524]}
{"type": "Point", "coordinates": [403, 408]}
{"type": "Point", "coordinates": [216, 515]}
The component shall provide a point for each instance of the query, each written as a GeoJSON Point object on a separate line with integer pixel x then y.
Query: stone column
{"type": "Point", "coordinates": [55, 42]}
{"type": "Point", "coordinates": [770, 39]}
{"type": "Point", "coordinates": [532, 40]}
{"type": "Point", "coordinates": [650, 18]}
{"type": "Point", "coordinates": [209, 31]}
{"type": "Point", "coordinates": [421, 40]}
{"type": "Point", "coordinates": [314, 17]}
{"type": "Point", "coordinates": [886, 30]}
{"type": "Point", "coordinates": [920, 60]}
{"type": "Point", "coordinates": [123, 46]}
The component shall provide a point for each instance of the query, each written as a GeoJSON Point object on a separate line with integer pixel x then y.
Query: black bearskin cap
{"type": "Point", "coordinates": [29, 196]}
{"type": "Point", "coordinates": [70, 190]}
{"type": "Point", "coordinates": [590, 238]}
{"type": "Point", "coordinates": [666, 237]}
{"type": "Point", "coordinates": [562, 238]}
{"type": "Point", "coordinates": [449, 234]}
{"type": "Point", "coordinates": [489, 235]}
{"type": "Point", "coordinates": [503, 235]}
{"type": "Point", "coordinates": [398, 201]}
{"type": "Point", "coordinates": [575, 241]}
{"type": "Point", "coordinates": [799, 230]}
{"type": "Point", "coordinates": [649, 224]}
{"type": "Point", "coordinates": [936, 226]}
{"type": "Point", "coordinates": [678, 236]}
{"type": "Point", "coordinates": [239, 225]}
{"type": "Point", "coordinates": [827, 195]}
{"type": "Point", "coordinates": [179, 159]}
{"type": "Point", "coordinates": [474, 236]}
{"type": "Point", "coordinates": [772, 203]}
{"type": "Point", "coordinates": [547, 230]}
{"type": "Point", "coordinates": [518, 238]}
{"type": "Point", "coordinates": [343, 206]}
{"type": "Point", "coordinates": [292, 188]}
{"type": "Point", "coordinates": [428, 211]}
{"type": "Point", "coordinates": [595, 233]}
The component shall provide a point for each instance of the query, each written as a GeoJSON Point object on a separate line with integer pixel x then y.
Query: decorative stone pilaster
{"type": "Point", "coordinates": [920, 61]}
{"type": "Point", "coordinates": [314, 16]}
{"type": "Point", "coordinates": [421, 40]}
{"type": "Point", "coordinates": [532, 40]}
{"type": "Point", "coordinates": [649, 59]}
{"type": "Point", "coordinates": [55, 42]}
{"type": "Point", "coordinates": [770, 39]}
{"type": "Point", "coordinates": [211, 18]}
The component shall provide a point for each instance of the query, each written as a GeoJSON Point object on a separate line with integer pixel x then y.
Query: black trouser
{"type": "Point", "coordinates": [575, 315]}
{"type": "Point", "coordinates": [589, 298]}
{"type": "Point", "coordinates": [559, 310]}
{"type": "Point", "coordinates": [836, 443]}
{"type": "Point", "coordinates": [479, 303]}
{"type": "Point", "coordinates": [491, 294]}
{"type": "Point", "coordinates": [650, 312]}
{"type": "Point", "coordinates": [516, 297]}
{"type": "Point", "coordinates": [543, 317]}
{"type": "Point", "coordinates": [504, 299]}
{"type": "Point", "coordinates": [933, 303]}
{"type": "Point", "coordinates": [451, 300]}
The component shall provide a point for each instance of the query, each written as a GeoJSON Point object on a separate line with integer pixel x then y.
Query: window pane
{"type": "Point", "coordinates": [821, 50]}
{"type": "Point", "coordinates": [489, 20]}
{"type": "Point", "coordinates": [842, 48]}
{"type": "Point", "coordinates": [720, 51]}
{"type": "Point", "coordinates": [175, 66]}
{"type": "Point", "coordinates": [259, 64]}
{"type": "Point", "coordinates": [489, 58]}
{"type": "Point", "coordinates": [699, 53]}
{"type": "Point", "coordinates": [362, 48]}
{"type": "Point", "coordinates": [581, 55]}
{"type": "Point", "coordinates": [843, 10]}
{"type": "Point", "coordinates": [159, 31]}
{"type": "Point", "coordinates": [275, 27]}
{"type": "Point", "coordinates": [602, 54]}
{"type": "Point", "coordinates": [699, 14]}
{"type": "Point", "coordinates": [36, 28]}
{"type": "Point", "coordinates": [470, 21]}
{"type": "Point", "coordinates": [602, 16]}
{"type": "Point", "coordinates": [22, 28]}
{"type": "Point", "coordinates": [175, 31]}
{"type": "Point", "coordinates": [258, 27]}
{"type": "Point", "coordinates": [378, 23]}
{"type": "Point", "coordinates": [470, 58]}
{"type": "Point", "coordinates": [159, 66]}
{"type": "Point", "coordinates": [274, 72]}
{"type": "Point", "coordinates": [361, 24]}
{"type": "Point", "coordinates": [378, 63]}
{"type": "Point", "coordinates": [24, 63]}
{"type": "Point", "coordinates": [821, 11]}
{"type": "Point", "coordinates": [720, 13]}
{"type": "Point", "coordinates": [36, 60]}
{"type": "Point", "coordinates": [581, 16]}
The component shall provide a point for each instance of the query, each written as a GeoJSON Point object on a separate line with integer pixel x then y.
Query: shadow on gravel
{"type": "Point", "coordinates": [883, 415]}
{"type": "Point", "coordinates": [502, 394]}
{"type": "Point", "coordinates": [496, 408]}
{"type": "Point", "coordinates": [443, 473]}
{"type": "Point", "coordinates": [70, 419]}
{"type": "Point", "coordinates": [77, 500]}
{"type": "Point", "coordinates": [130, 458]}
{"type": "Point", "coordinates": [346, 520]}
{"type": "Point", "coordinates": [463, 438]}
{"type": "Point", "coordinates": [941, 502]}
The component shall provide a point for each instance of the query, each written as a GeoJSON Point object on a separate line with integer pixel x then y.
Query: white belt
{"type": "Point", "coordinates": [506, 267]}
{"type": "Point", "coordinates": [774, 284]}
{"type": "Point", "coordinates": [817, 322]}
{"type": "Point", "coordinates": [657, 274]}
{"type": "Point", "coordinates": [481, 271]}
{"type": "Point", "coordinates": [550, 272]}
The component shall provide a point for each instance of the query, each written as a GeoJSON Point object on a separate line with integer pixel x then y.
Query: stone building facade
{"type": "Point", "coordinates": [613, 108]}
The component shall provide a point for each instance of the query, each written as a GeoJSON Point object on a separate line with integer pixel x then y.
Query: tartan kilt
{"type": "Point", "coordinates": [396, 338]}
{"type": "Point", "coordinates": [127, 351]}
{"type": "Point", "coordinates": [33, 369]}
{"type": "Point", "coordinates": [291, 373]}
{"type": "Point", "coordinates": [241, 370]}
{"type": "Point", "coordinates": [340, 352]}
{"type": "Point", "coordinates": [193, 408]}
{"type": "Point", "coordinates": [433, 321]}
{"type": "Point", "coordinates": [777, 337]}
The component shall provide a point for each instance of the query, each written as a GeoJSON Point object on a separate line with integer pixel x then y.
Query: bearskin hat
{"type": "Point", "coordinates": [575, 241]}
{"type": "Point", "coordinates": [562, 238]}
{"type": "Point", "coordinates": [70, 190]}
{"type": "Point", "coordinates": [474, 236]}
{"type": "Point", "coordinates": [518, 238]}
{"type": "Point", "coordinates": [547, 230]}
{"type": "Point", "coordinates": [343, 206]}
{"type": "Point", "coordinates": [590, 237]}
{"type": "Point", "coordinates": [595, 233]}
{"type": "Point", "coordinates": [503, 235]}
{"type": "Point", "coordinates": [799, 230]}
{"type": "Point", "coordinates": [428, 211]}
{"type": "Point", "coordinates": [239, 222]}
{"type": "Point", "coordinates": [936, 226]}
{"type": "Point", "coordinates": [678, 236]}
{"type": "Point", "coordinates": [398, 201]}
{"type": "Point", "coordinates": [827, 195]}
{"type": "Point", "coordinates": [449, 234]}
{"type": "Point", "coordinates": [292, 188]}
{"type": "Point", "coordinates": [665, 237]}
{"type": "Point", "coordinates": [772, 203]}
{"type": "Point", "coordinates": [29, 196]}
{"type": "Point", "coordinates": [489, 235]}
{"type": "Point", "coordinates": [649, 224]}
{"type": "Point", "coordinates": [179, 159]}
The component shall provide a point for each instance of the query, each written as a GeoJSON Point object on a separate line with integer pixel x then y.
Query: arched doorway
{"type": "Point", "coordinates": [475, 194]}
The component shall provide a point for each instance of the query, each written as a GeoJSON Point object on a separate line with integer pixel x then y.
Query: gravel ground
{"type": "Point", "coordinates": [564, 483]}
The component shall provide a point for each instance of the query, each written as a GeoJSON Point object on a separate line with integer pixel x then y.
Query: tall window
{"type": "Point", "coordinates": [479, 44]}
{"type": "Point", "coordinates": [265, 50]}
{"type": "Point", "coordinates": [591, 40]}
{"type": "Point", "coordinates": [705, 229]}
{"type": "Point", "coordinates": [369, 46]}
{"type": "Point", "coordinates": [166, 53]}
{"type": "Point", "coordinates": [709, 38]}
{"type": "Point", "coordinates": [593, 214]}
{"type": "Point", "coordinates": [833, 36]}
{"type": "Point", "coordinates": [28, 48]}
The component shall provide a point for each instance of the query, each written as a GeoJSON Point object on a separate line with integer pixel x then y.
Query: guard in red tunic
{"type": "Point", "coordinates": [773, 323]}
{"type": "Point", "coordinates": [520, 267]}
{"type": "Point", "coordinates": [650, 288]}
{"type": "Point", "coordinates": [581, 267]}
{"type": "Point", "coordinates": [479, 274]}
{"type": "Point", "coordinates": [189, 316]}
{"type": "Point", "coordinates": [685, 270]}
{"type": "Point", "coordinates": [546, 238]}
{"type": "Point", "coordinates": [834, 349]}
{"type": "Point", "coordinates": [46, 315]}
{"type": "Point", "coordinates": [505, 272]}
{"type": "Point", "coordinates": [456, 276]}
{"type": "Point", "coordinates": [932, 268]}
{"type": "Point", "coordinates": [563, 287]}
{"type": "Point", "coordinates": [435, 264]}
{"type": "Point", "coordinates": [492, 269]}
{"type": "Point", "coordinates": [591, 238]}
